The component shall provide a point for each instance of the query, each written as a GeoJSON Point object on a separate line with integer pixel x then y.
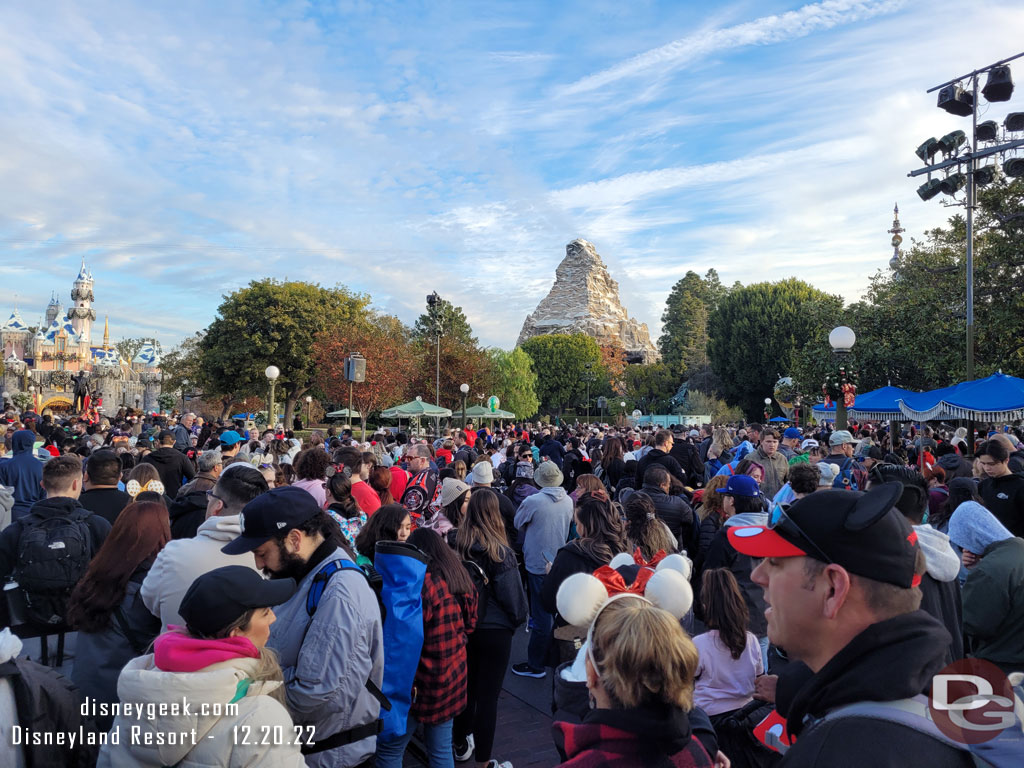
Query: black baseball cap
{"type": "Point", "coordinates": [862, 532]}
{"type": "Point", "coordinates": [219, 597]}
{"type": "Point", "coordinates": [270, 515]}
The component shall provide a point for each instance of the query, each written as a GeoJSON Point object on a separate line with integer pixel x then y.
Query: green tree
{"type": "Point", "coordinates": [273, 323]}
{"type": "Point", "coordinates": [756, 333]}
{"type": "Point", "coordinates": [560, 360]}
{"type": "Point", "coordinates": [684, 337]}
{"type": "Point", "coordinates": [700, 403]}
{"type": "Point", "coordinates": [452, 320]}
{"type": "Point", "coordinates": [650, 387]}
{"type": "Point", "coordinates": [515, 382]}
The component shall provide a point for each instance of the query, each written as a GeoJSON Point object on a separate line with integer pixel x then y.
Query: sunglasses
{"type": "Point", "coordinates": [781, 521]}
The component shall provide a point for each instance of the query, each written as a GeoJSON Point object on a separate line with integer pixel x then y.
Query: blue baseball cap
{"type": "Point", "coordinates": [270, 515]}
{"type": "Point", "coordinates": [230, 437]}
{"type": "Point", "coordinates": [741, 485]}
{"type": "Point", "coordinates": [792, 432]}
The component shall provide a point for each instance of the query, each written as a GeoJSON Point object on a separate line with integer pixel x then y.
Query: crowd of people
{"type": "Point", "coordinates": [345, 596]}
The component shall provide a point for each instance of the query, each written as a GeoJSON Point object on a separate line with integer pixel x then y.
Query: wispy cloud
{"type": "Point", "coordinates": [763, 31]}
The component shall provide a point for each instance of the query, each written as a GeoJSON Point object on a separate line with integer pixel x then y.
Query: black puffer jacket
{"type": "Point", "coordinates": [503, 605]}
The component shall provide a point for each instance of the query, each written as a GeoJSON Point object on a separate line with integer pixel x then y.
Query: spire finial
{"type": "Point", "coordinates": [106, 333]}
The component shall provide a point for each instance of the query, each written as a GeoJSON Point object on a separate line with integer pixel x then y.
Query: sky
{"type": "Point", "coordinates": [399, 148]}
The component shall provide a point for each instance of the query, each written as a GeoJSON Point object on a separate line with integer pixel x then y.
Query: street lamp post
{"type": "Point", "coordinates": [767, 409]}
{"type": "Point", "coordinates": [309, 410]}
{"type": "Point", "coordinates": [272, 373]}
{"type": "Point", "coordinates": [588, 376]}
{"type": "Point", "coordinates": [434, 304]}
{"type": "Point", "coordinates": [184, 388]}
{"type": "Point", "coordinates": [842, 340]}
{"type": "Point", "coordinates": [464, 389]}
{"type": "Point", "coordinates": [6, 396]}
{"type": "Point", "coordinates": [32, 394]}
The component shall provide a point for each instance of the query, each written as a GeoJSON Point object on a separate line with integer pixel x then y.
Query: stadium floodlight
{"type": "Point", "coordinates": [999, 86]}
{"type": "Point", "coordinates": [927, 149]}
{"type": "Point", "coordinates": [1014, 121]}
{"type": "Point", "coordinates": [985, 175]}
{"type": "Point", "coordinates": [952, 183]}
{"type": "Point", "coordinates": [987, 131]}
{"type": "Point", "coordinates": [929, 189]}
{"type": "Point", "coordinates": [1014, 166]}
{"type": "Point", "coordinates": [952, 141]}
{"type": "Point", "coordinates": [955, 100]}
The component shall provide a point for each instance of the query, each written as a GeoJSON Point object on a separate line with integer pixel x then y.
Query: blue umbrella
{"type": "Point", "coordinates": [779, 419]}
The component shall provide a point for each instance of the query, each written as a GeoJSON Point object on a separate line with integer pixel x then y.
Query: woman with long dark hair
{"type": "Point", "coordinates": [612, 463]}
{"type": "Point", "coordinates": [343, 508]}
{"type": "Point", "coordinates": [389, 523]}
{"type": "Point", "coordinates": [380, 481]}
{"type": "Point", "coordinates": [105, 607]}
{"type": "Point", "coordinates": [601, 537]}
{"type": "Point", "coordinates": [644, 530]}
{"type": "Point", "coordinates": [481, 542]}
{"type": "Point", "coordinates": [449, 616]}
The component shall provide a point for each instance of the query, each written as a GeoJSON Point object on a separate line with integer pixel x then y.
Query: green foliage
{"type": "Point", "coordinates": [22, 400]}
{"type": "Point", "coordinates": [183, 363]}
{"type": "Point", "coordinates": [559, 360]}
{"type": "Point", "coordinates": [515, 381]}
{"type": "Point", "coordinates": [684, 337]}
{"type": "Point", "coordinates": [273, 323]}
{"type": "Point", "coordinates": [757, 332]}
{"type": "Point", "coordinates": [166, 401]}
{"type": "Point", "coordinates": [651, 387]}
{"type": "Point", "coordinates": [700, 403]}
{"type": "Point", "coordinates": [452, 320]}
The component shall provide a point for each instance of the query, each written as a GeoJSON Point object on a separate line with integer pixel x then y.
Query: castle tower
{"type": "Point", "coordinates": [53, 310]}
{"type": "Point", "coordinates": [82, 314]}
{"type": "Point", "coordinates": [106, 333]}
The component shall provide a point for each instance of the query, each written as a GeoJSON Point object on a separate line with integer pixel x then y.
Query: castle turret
{"type": "Point", "coordinates": [53, 310]}
{"type": "Point", "coordinates": [82, 314]}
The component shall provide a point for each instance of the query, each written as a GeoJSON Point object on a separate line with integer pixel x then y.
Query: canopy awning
{"type": "Point", "coordinates": [483, 412]}
{"type": "Point", "coordinates": [995, 398]}
{"type": "Point", "coordinates": [879, 404]}
{"type": "Point", "coordinates": [342, 414]}
{"type": "Point", "coordinates": [413, 409]}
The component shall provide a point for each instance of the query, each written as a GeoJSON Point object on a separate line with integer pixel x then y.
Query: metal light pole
{"type": "Point", "coordinates": [842, 340]}
{"type": "Point", "coordinates": [768, 409]}
{"type": "Point", "coordinates": [309, 410]}
{"type": "Point", "coordinates": [184, 388]}
{"type": "Point", "coordinates": [434, 303]}
{"type": "Point", "coordinates": [464, 389]}
{"type": "Point", "coordinates": [272, 373]}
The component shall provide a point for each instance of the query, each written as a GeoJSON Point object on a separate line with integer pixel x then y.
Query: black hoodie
{"type": "Point", "coordinates": [891, 660]}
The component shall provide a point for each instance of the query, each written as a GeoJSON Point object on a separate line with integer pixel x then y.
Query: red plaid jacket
{"type": "Point", "coordinates": [600, 745]}
{"type": "Point", "coordinates": [439, 690]}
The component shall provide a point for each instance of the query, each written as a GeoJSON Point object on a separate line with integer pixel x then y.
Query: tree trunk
{"type": "Point", "coordinates": [225, 408]}
{"type": "Point", "coordinates": [289, 405]}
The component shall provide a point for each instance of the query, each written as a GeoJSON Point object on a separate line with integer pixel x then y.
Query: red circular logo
{"type": "Point", "coordinates": [971, 701]}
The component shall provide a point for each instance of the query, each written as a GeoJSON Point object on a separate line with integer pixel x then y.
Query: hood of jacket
{"type": "Point", "coordinates": [56, 506]}
{"type": "Point", "coordinates": [942, 562]}
{"type": "Point", "coordinates": [165, 455]}
{"type": "Point", "coordinates": [10, 645]}
{"type": "Point", "coordinates": [556, 493]}
{"type": "Point", "coordinates": [950, 463]}
{"type": "Point", "coordinates": [660, 730]}
{"type": "Point", "coordinates": [227, 528]}
{"type": "Point", "coordinates": [893, 659]}
{"type": "Point", "coordinates": [747, 518]}
{"type": "Point", "coordinates": [974, 528]}
{"type": "Point", "coordinates": [22, 441]}
{"type": "Point", "coordinates": [143, 685]}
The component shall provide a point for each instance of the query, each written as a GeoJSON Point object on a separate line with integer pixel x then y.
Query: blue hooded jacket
{"type": "Point", "coordinates": [24, 472]}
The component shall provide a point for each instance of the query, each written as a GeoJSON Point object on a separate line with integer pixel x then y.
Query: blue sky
{"type": "Point", "coordinates": [401, 148]}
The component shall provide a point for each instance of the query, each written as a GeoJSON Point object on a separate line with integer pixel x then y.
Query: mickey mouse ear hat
{"type": "Point", "coordinates": [862, 532]}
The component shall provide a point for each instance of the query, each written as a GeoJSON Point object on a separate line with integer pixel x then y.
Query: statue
{"type": "Point", "coordinates": [678, 401]}
{"type": "Point", "coordinates": [81, 383]}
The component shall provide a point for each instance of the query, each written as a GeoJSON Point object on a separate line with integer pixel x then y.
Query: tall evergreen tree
{"type": "Point", "coordinates": [684, 337]}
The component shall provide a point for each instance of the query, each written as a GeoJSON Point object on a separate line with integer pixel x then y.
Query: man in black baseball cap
{"type": "Point", "coordinates": [840, 575]}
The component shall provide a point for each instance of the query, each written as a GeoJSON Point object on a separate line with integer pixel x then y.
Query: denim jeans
{"type": "Point", "coordinates": [437, 739]}
{"type": "Point", "coordinates": [543, 624]}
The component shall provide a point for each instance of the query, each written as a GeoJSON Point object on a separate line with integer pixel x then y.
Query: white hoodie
{"type": "Point", "coordinates": [940, 559]}
{"type": "Point", "coordinates": [182, 561]}
{"type": "Point", "coordinates": [260, 733]}
{"type": "Point", "coordinates": [10, 754]}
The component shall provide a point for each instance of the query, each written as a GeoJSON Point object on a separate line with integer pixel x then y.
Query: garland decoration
{"type": "Point", "coordinates": [841, 383]}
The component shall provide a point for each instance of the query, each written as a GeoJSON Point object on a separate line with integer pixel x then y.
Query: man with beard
{"type": "Point", "coordinates": [331, 649]}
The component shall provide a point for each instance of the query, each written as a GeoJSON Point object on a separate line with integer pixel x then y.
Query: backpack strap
{"type": "Point", "coordinates": [910, 713]}
{"type": "Point", "coordinates": [316, 589]}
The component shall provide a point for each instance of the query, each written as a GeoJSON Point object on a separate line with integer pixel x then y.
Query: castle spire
{"type": "Point", "coordinates": [106, 333]}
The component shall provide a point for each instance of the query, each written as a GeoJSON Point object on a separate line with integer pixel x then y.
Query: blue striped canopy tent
{"type": "Point", "coordinates": [821, 413]}
{"type": "Point", "coordinates": [996, 398]}
{"type": "Point", "coordinates": [879, 404]}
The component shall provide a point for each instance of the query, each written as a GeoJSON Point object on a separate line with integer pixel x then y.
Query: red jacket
{"type": "Point", "coordinates": [439, 690]}
{"type": "Point", "coordinates": [365, 497]}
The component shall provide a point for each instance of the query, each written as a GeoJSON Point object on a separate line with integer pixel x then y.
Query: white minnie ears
{"type": "Point", "coordinates": [581, 596]}
{"type": "Point", "coordinates": [134, 489]}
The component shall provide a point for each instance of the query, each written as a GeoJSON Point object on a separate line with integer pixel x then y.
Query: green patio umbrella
{"type": "Point", "coordinates": [483, 412]}
{"type": "Point", "coordinates": [342, 414]}
{"type": "Point", "coordinates": [414, 408]}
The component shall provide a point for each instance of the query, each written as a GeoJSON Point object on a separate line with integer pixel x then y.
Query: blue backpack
{"type": "Point", "coordinates": [400, 569]}
{"type": "Point", "coordinates": [845, 478]}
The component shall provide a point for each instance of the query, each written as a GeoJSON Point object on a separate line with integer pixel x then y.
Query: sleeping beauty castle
{"type": "Point", "coordinates": [42, 360]}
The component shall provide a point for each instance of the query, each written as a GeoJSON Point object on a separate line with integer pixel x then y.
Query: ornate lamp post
{"type": "Point", "coordinates": [309, 410]}
{"type": "Point", "coordinates": [767, 409]}
{"type": "Point", "coordinates": [272, 373]}
{"type": "Point", "coordinates": [184, 389]}
{"type": "Point", "coordinates": [842, 340]}
{"type": "Point", "coordinates": [464, 389]}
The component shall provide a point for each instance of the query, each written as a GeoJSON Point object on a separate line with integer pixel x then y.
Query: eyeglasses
{"type": "Point", "coordinates": [211, 495]}
{"type": "Point", "coordinates": [781, 521]}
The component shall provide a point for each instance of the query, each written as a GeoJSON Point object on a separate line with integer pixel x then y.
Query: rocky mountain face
{"type": "Point", "coordinates": [585, 299]}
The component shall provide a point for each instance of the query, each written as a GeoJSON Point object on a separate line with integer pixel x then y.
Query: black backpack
{"type": "Point", "coordinates": [53, 554]}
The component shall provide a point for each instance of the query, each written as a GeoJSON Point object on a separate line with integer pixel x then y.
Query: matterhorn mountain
{"type": "Point", "coordinates": [585, 299]}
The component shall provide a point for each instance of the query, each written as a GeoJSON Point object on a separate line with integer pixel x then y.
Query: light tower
{"type": "Point", "coordinates": [53, 310]}
{"type": "Point", "coordinates": [82, 314]}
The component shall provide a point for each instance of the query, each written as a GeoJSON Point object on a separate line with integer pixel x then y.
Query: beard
{"type": "Point", "coordinates": [291, 566]}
